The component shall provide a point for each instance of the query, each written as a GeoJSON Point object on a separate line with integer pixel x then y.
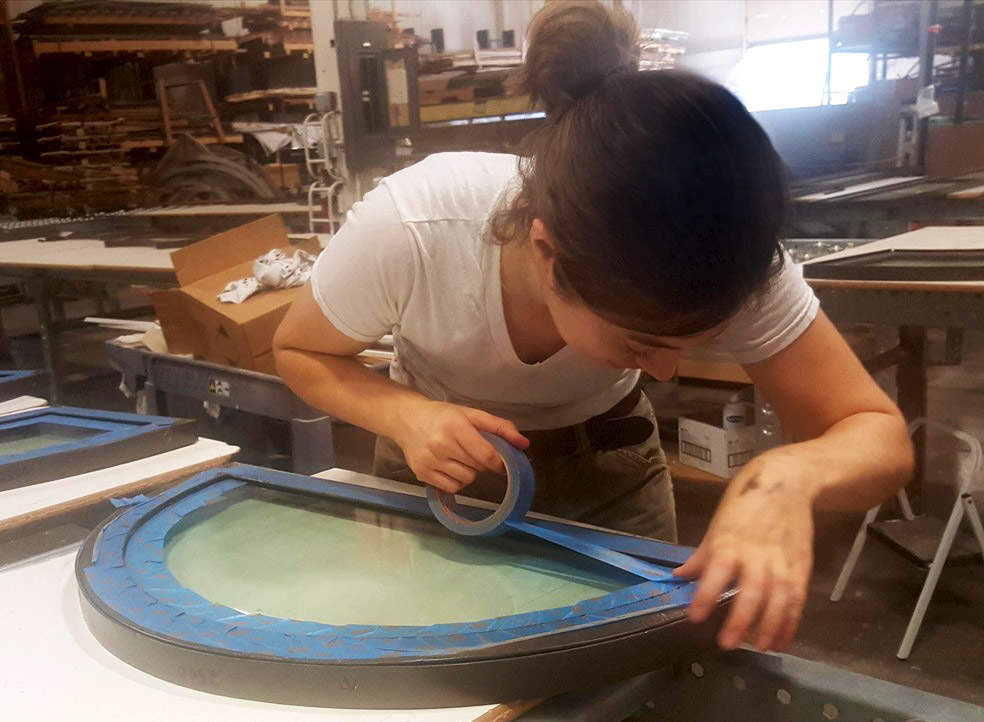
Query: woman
{"type": "Point", "coordinates": [525, 296]}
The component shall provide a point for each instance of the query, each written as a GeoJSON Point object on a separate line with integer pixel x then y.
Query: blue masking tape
{"type": "Point", "coordinates": [511, 516]}
{"type": "Point", "coordinates": [128, 572]}
{"type": "Point", "coordinates": [520, 485]}
{"type": "Point", "coordinates": [121, 501]}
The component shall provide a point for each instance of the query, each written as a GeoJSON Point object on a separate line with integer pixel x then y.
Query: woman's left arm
{"type": "Point", "coordinates": [850, 451]}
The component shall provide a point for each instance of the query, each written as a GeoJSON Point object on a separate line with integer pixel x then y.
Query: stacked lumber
{"type": "Point", "coordinates": [37, 189]}
{"type": "Point", "coordinates": [119, 26]}
{"type": "Point", "coordinates": [9, 143]}
{"type": "Point", "coordinates": [281, 26]}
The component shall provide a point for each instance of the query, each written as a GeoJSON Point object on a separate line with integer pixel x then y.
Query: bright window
{"type": "Point", "coordinates": [793, 75]}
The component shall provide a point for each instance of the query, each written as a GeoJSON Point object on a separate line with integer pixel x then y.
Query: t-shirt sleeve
{"type": "Point", "coordinates": [363, 278]}
{"type": "Point", "coordinates": [773, 319]}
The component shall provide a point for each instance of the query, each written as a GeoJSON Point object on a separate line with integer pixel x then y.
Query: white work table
{"type": "Point", "coordinates": [53, 669]}
{"type": "Point", "coordinates": [38, 502]}
{"type": "Point", "coordinates": [41, 627]}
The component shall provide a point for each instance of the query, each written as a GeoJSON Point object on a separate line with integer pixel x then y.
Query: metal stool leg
{"type": "Point", "coordinates": [935, 569]}
{"type": "Point", "coordinates": [852, 557]}
{"type": "Point", "coordinates": [975, 518]}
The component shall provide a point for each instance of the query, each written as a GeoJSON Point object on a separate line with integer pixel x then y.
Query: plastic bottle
{"type": "Point", "coordinates": [735, 413]}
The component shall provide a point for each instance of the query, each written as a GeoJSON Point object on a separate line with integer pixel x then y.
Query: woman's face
{"type": "Point", "coordinates": [595, 338]}
{"type": "Point", "coordinates": [606, 344]}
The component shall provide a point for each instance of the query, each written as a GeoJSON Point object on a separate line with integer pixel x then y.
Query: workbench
{"type": "Point", "coordinates": [43, 629]}
{"type": "Point", "coordinates": [162, 375]}
{"type": "Point", "coordinates": [913, 307]}
{"type": "Point", "coordinates": [42, 263]}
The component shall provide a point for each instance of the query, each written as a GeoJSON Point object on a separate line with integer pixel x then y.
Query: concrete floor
{"type": "Point", "coordinates": [862, 632]}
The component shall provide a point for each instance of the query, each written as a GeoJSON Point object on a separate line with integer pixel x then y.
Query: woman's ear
{"type": "Point", "coordinates": [543, 243]}
{"type": "Point", "coordinates": [543, 251]}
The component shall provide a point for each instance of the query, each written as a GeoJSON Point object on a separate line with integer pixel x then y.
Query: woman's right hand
{"type": "Point", "coordinates": [443, 447]}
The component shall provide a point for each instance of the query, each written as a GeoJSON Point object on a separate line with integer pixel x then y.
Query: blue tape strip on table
{"type": "Point", "coordinates": [129, 574]}
{"type": "Point", "coordinates": [511, 515]}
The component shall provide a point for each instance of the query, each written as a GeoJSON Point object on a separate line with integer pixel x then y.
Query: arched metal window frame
{"type": "Point", "coordinates": [139, 611]}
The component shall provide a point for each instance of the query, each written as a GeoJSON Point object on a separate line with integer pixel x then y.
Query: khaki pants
{"type": "Point", "coordinates": [626, 489]}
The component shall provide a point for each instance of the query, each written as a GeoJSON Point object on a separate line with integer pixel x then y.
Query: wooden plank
{"type": "Point", "coordinates": [446, 95]}
{"type": "Point", "coordinates": [216, 123]}
{"type": "Point", "coordinates": [30, 505]}
{"type": "Point", "coordinates": [475, 109]}
{"type": "Point", "coordinates": [509, 711]}
{"type": "Point", "coordinates": [206, 19]}
{"type": "Point", "coordinates": [42, 47]}
{"type": "Point", "coordinates": [236, 209]}
{"type": "Point", "coordinates": [165, 113]}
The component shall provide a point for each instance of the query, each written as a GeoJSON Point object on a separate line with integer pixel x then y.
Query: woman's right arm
{"type": "Point", "coordinates": [441, 441]}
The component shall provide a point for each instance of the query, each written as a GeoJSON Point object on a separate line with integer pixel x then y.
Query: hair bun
{"type": "Point", "coordinates": [573, 46]}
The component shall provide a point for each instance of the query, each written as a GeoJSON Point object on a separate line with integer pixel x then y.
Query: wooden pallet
{"type": "Point", "coordinates": [447, 95]}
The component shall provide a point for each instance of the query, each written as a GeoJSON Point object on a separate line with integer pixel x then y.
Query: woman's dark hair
{"type": "Point", "coordinates": [664, 196]}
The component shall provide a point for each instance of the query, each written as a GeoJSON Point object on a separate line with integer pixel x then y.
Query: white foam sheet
{"type": "Point", "coordinates": [203, 453]}
{"type": "Point", "coordinates": [52, 669]}
{"type": "Point", "coordinates": [21, 403]}
{"type": "Point", "coordinates": [881, 183]}
{"type": "Point", "coordinates": [928, 238]}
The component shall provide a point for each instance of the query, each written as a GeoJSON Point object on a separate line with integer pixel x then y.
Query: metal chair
{"type": "Point", "coordinates": [915, 537]}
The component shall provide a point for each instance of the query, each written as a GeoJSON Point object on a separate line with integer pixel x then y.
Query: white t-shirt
{"type": "Point", "coordinates": [412, 259]}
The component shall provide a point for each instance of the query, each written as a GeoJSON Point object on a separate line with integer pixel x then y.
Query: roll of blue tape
{"type": "Point", "coordinates": [520, 485]}
{"type": "Point", "coordinates": [511, 515]}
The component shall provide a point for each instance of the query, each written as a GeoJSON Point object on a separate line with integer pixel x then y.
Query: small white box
{"type": "Point", "coordinates": [706, 445]}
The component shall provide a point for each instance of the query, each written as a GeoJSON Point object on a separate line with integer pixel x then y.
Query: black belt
{"type": "Point", "coordinates": [614, 429]}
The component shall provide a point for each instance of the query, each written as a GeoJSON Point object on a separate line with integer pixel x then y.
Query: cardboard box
{"type": "Point", "coordinates": [955, 149]}
{"type": "Point", "coordinates": [706, 445]}
{"type": "Point", "coordinates": [193, 319]}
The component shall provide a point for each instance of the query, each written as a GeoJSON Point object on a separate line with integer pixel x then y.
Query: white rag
{"type": "Point", "coordinates": [271, 270]}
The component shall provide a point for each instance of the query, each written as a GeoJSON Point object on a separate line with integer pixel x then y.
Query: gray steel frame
{"type": "Point", "coordinates": [312, 449]}
{"type": "Point", "coordinates": [750, 685]}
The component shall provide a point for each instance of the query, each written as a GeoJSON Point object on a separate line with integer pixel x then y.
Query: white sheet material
{"type": "Point", "coordinates": [928, 238]}
{"type": "Point", "coordinates": [881, 183]}
{"type": "Point", "coordinates": [15, 502]}
{"type": "Point", "coordinates": [21, 403]}
{"type": "Point", "coordinates": [52, 669]}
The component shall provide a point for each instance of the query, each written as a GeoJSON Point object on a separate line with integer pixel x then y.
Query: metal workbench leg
{"type": "Point", "coordinates": [913, 398]}
{"type": "Point", "coordinates": [156, 400]}
{"type": "Point", "coordinates": [48, 340]}
{"type": "Point", "coordinates": [312, 446]}
{"type": "Point", "coordinates": [4, 341]}
{"type": "Point", "coordinates": [975, 518]}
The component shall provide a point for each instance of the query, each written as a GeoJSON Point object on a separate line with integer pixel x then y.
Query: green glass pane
{"type": "Point", "coordinates": [40, 436]}
{"type": "Point", "coordinates": [279, 555]}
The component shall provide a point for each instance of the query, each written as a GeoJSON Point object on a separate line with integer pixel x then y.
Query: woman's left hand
{"type": "Point", "coordinates": [761, 536]}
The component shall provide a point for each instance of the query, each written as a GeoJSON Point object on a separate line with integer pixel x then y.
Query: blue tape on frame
{"type": "Point", "coordinates": [511, 515]}
{"type": "Point", "coordinates": [109, 427]}
{"type": "Point", "coordinates": [520, 485]}
{"type": "Point", "coordinates": [128, 573]}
